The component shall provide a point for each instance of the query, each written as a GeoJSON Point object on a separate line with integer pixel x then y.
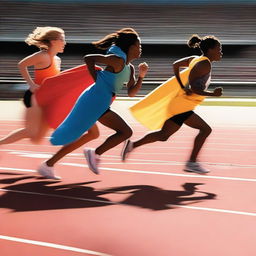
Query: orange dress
{"type": "Point", "coordinates": [41, 74]}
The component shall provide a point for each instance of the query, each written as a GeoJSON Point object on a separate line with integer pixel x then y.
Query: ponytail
{"type": "Point", "coordinates": [194, 41]}
{"type": "Point", "coordinates": [106, 42]}
{"type": "Point", "coordinates": [123, 38]}
{"type": "Point", "coordinates": [204, 44]}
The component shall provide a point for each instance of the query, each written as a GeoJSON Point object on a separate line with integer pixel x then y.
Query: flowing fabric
{"type": "Point", "coordinates": [92, 103]}
{"type": "Point", "coordinates": [167, 100]}
{"type": "Point", "coordinates": [58, 94]}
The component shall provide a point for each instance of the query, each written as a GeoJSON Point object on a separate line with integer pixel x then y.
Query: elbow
{"type": "Point", "coordinates": [85, 59]}
{"type": "Point", "coordinates": [175, 66]}
{"type": "Point", "coordinates": [19, 65]}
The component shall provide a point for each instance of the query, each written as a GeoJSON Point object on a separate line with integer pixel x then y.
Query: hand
{"type": "Point", "coordinates": [143, 69]}
{"type": "Point", "coordinates": [33, 87]}
{"type": "Point", "coordinates": [217, 91]}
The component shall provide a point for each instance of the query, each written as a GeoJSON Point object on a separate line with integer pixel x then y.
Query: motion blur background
{"type": "Point", "coordinates": [164, 27]}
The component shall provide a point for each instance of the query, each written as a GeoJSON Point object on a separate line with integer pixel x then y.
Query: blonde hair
{"type": "Point", "coordinates": [42, 36]}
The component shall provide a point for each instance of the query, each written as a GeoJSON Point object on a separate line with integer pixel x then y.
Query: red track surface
{"type": "Point", "coordinates": [147, 206]}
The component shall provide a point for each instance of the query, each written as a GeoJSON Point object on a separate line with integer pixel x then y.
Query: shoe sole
{"type": "Point", "coordinates": [48, 176]}
{"type": "Point", "coordinates": [188, 170]}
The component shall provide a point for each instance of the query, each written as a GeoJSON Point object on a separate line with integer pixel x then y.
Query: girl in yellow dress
{"type": "Point", "coordinates": [172, 104]}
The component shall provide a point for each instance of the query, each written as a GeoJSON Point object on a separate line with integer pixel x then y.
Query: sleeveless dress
{"type": "Point", "coordinates": [39, 76]}
{"type": "Point", "coordinates": [92, 103]}
{"type": "Point", "coordinates": [168, 100]}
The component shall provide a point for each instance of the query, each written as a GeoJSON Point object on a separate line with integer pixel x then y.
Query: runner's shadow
{"type": "Point", "coordinates": [47, 195]}
{"type": "Point", "coordinates": [50, 195]}
{"type": "Point", "coordinates": [13, 180]}
{"type": "Point", "coordinates": [155, 198]}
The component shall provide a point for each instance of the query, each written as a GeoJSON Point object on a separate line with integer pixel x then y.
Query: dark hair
{"type": "Point", "coordinates": [204, 44]}
{"type": "Point", "coordinates": [123, 38]}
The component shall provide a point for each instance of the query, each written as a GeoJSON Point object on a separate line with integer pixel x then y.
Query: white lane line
{"type": "Point", "coordinates": [164, 173]}
{"type": "Point", "coordinates": [52, 245]}
{"type": "Point", "coordinates": [46, 155]}
{"type": "Point", "coordinates": [213, 210]}
{"type": "Point", "coordinates": [117, 203]}
{"type": "Point", "coordinates": [175, 164]}
{"type": "Point", "coordinates": [16, 169]}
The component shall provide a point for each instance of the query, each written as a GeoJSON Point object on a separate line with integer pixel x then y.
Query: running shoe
{"type": "Point", "coordinates": [195, 167]}
{"type": "Point", "coordinates": [92, 160]}
{"type": "Point", "coordinates": [47, 171]}
{"type": "Point", "coordinates": [128, 147]}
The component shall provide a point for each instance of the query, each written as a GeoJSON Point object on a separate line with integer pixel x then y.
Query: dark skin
{"type": "Point", "coordinates": [194, 121]}
{"type": "Point", "coordinates": [110, 119]}
{"type": "Point", "coordinates": [199, 70]}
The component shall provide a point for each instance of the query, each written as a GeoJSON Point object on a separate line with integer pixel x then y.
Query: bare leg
{"type": "Point", "coordinates": [93, 133]}
{"type": "Point", "coordinates": [123, 131]}
{"type": "Point", "coordinates": [167, 130]}
{"type": "Point", "coordinates": [35, 123]}
{"type": "Point", "coordinates": [15, 136]}
{"type": "Point", "coordinates": [35, 127]}
{"type": "Point", "coordinates": [197, 122]}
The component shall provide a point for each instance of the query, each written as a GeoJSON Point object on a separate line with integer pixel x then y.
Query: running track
{"type": "Point", "coordinates": [146, 206]}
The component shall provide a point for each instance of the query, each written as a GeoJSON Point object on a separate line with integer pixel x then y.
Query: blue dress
{"type": "Point", "coordinates": [92, 103]}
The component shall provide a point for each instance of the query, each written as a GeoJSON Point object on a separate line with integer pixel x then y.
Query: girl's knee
{"type": "Point", "coordinates": [94, 134]}
{"type": "Point", "coordinates": [128, 132]}
{"type": "Point", "coordinates": [206, 130]}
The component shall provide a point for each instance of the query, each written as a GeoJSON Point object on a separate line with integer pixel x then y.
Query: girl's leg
{"type": "Point", "coordinates": [21, 133]}
{"type": "Point", "coordinates": [92, 134]}
{"type": "Point", "coordinates": [169, 128]}
{"type": "Point", "coordinates": [122, 131]}
{"type": "Point", "coordinates": [35, 123]}
{"type": "Point", "coordinates": [14, 136]}
{"type": "Point", "coordinates": [197, 122]}
{"type": "Point", "coordinates": [46, 168]}
{"type": "Point", "coordinates": [35, 126]}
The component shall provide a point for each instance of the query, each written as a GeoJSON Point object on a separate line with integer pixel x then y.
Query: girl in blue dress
{"type": "Point", "coordinates": [123, 46]}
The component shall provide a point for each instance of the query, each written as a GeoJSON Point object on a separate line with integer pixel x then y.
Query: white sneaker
{"type": "Point", "coordinates": [195, 167]}
{"type": "Point", "coordinates": [128, 147]}
{"type": "Point", "coordinates": [92, 160]}
{"type": "Point", "coordinates": [47, 171]}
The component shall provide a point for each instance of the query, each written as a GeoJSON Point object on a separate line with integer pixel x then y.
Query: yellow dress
{"type": "Point", "coordinates": [167, 100]}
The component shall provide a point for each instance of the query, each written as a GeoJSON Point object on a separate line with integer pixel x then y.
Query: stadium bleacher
{"type": "Point", "coordinates": [161, 25]}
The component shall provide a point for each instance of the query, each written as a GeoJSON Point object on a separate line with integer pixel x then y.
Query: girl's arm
{"type": "Point", "coordinates": [114, 63]}
{"type": "Point", "coordinates": [38, 60]}
{"type": "Point", "coordinates": [134, 86]}
{"type": "Point", "coordinates": [199, 70]}
{"type": "Point", "coordinates": [184, 62]}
